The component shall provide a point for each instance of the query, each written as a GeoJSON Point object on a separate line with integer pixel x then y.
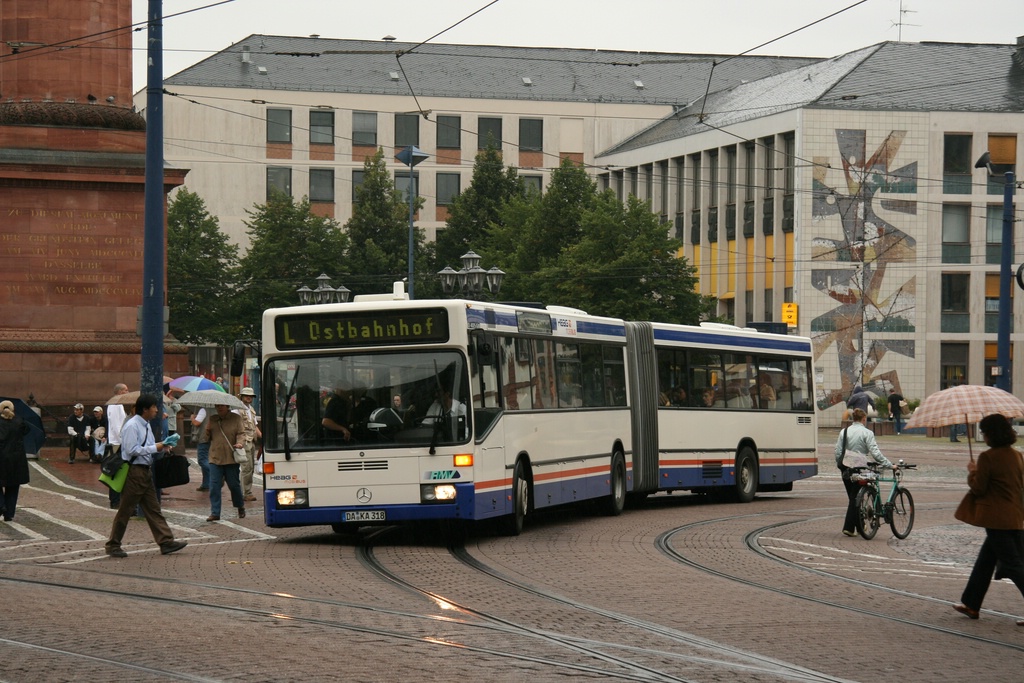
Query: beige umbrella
{"type": "Point", "coordinates": [965, 404]}
{"type": "Point", "coordinates": [128, 399]}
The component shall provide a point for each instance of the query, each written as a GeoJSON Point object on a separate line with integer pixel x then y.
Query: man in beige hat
{"type": "Point", "coordinates": [250, 423]}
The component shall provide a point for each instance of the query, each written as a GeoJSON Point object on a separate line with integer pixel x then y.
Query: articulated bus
{"type": "Point", "coordinates": [387, 410]}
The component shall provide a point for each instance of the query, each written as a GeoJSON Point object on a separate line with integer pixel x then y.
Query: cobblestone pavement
{"type": "Point", "coordinates": [683, 589]}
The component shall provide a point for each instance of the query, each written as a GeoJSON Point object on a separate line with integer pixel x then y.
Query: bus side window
{"type": "Point", "coordinates": [514, 366]}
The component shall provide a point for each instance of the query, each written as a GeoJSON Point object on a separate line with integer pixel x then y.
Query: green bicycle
{"type": "Point", "coordinates": [897, 509]}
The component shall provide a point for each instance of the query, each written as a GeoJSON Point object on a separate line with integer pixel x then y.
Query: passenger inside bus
{"type": "Point", "coordinates": [338, 415]}
{"type": "Point", "coordinates": [709, 397]}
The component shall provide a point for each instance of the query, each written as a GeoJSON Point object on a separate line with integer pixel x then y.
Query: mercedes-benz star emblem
{"type": "Point", "coordinates": [363, 495]}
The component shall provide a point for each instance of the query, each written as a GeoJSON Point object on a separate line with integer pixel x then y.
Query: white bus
{"type": "Point", "coordinates": [384, 411]}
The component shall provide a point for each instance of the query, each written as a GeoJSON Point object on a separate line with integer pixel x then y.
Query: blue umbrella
{"type": "Point", "coordinates": [36, 434]}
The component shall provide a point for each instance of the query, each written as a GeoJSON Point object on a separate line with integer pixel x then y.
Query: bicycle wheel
{"type": "Point", "coordinates": [867, 520]}
{"type": "Point", "coordinates": [901, 517]}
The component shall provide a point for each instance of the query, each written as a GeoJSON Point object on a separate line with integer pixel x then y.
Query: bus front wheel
{"type": "Point", "coordinates": [512, 525]}
{"type": "Point", "coordinates": [746, 475]}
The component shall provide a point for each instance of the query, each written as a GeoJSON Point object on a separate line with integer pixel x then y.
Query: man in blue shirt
{"type": "Point", "coordinates": [138, 447]}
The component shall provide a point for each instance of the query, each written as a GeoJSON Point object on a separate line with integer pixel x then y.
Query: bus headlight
{"type": "Point", "coordinates": [293, 498]}
{"type": "Point", "coordinates": [437, 493]}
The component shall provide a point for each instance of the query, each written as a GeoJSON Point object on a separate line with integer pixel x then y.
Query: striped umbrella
{"type": "Point", "coordinates": [193, 383]}
{"type": "Point", "coordinates": [965, 404]}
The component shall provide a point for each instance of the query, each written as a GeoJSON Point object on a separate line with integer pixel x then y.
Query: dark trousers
{"type": "Point", "coordinates": [9, 500]}
{"type": "Point", "coordinates": [850, 523]}
{"type": "Point", "coordinates": [78, 443]}
{"type": "Point", "coordinates": [1003, 546]}
{"type": "Point", "coordinates": [218, 475]}
{"type": "Point", "coordinates": [139, 489]}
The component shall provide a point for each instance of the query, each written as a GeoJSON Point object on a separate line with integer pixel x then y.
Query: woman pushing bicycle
{"type": "Point", "coordinates": [856, 439]}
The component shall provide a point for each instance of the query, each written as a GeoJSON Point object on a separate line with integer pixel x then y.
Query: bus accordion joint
{"type": "Point", "coordinates": [463, 460]}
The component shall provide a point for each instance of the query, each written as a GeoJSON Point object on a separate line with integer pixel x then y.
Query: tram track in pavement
{"type": "Point", "coordinates": [293, 617]}
{"type": "Point", "coordinates": [702, 653]}
{"type": "Point", "coordinates": [751, 542]}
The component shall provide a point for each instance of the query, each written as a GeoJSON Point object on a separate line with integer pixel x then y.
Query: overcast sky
{"type": "Point", "coordinates": [720, 26]}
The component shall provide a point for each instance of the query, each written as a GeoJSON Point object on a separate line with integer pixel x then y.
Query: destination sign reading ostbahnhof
{"type": "Point", "coordinates": [359, 329]}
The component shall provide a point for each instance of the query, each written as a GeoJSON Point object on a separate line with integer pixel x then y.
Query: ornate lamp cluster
{"type": "Point", "coordinates": [324, 293]}
{"type": "Point", "coordinates": [471, 280]}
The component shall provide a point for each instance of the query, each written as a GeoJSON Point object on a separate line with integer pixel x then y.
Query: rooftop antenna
{"type": "Point", "coordinates": [900, 23]}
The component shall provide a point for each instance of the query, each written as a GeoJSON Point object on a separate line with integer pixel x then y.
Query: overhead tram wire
{"type": "Point", "coordinates": [70, 43]}
{"type": "Point", "coordinates": [398, 59]}
{"type": "Point", "coordinates": [591, 167]}
{"type": "Point", "coordinates": [773, 40]}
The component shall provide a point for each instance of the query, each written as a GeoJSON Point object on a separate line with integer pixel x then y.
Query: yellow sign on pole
{"type": "Point", "coordinates": [790, 314]}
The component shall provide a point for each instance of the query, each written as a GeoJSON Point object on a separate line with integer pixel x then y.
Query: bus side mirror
{"type": "Point", "coordinates": [485, 349]}
{"type": "Point", "coordinates": [237, 359]}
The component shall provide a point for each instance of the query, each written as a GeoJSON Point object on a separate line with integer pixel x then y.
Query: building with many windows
{"type": "Point", "coordinates": [302, 114]}
{"type": "Point", "coordinates": [845, 192]}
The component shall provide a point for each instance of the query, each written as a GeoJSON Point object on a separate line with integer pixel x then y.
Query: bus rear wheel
{"type": "Point", "coordinates": [512, 525]}
{"type": "Point", "coordinates": [746, 476]}
{"type": "Point", "coordinates": [616, 500]}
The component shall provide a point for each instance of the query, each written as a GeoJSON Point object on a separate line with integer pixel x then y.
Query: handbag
{"type": "Point", "coordinates": [171, 471]}
{"type": "Point", "coordinates": [116, 482]}
{"type": "Point", "coordinates": [239, 453]}
{"type": "Point", "coordinates": [967, 510]}
{"type": "Point", "coordinates": [852, 459]}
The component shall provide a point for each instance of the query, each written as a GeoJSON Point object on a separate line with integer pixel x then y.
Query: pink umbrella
{"type": "Point", "coordinates": [965, 404]}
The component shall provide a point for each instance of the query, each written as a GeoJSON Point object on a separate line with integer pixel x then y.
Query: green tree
{"type": "Point", "coordinates": [625, 266]}
{"type": "Point", "coordinates": [479, 207]}
{"type": "Point", "coordinates": [534, 230]}
{"type": "Point", "coordinates": [379, 233]}
{"type": "Point", "coordinates": [574, 246]}
{"type": "Point", "coordinates": [201, 271]}
{"type": "Point", "coordinates": [289, 247]}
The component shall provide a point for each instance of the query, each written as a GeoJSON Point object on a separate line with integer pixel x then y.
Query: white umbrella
{"type": "Point", "coordinates": [210, 398]}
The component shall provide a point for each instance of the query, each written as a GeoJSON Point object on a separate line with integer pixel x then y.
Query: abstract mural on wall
{"type": "Point", "coordinates": [868, 307]}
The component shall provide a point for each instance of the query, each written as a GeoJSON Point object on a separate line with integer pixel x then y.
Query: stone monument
{"type": "Point", "coordinates": [72, 166]}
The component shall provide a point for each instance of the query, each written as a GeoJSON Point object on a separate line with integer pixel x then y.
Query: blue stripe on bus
{"type": "Point", "coordinates": [277, 517]}
{"type": "Point", "coordinates": [489, 317]}
{"type": "Point", "coordinates": [752, 342]}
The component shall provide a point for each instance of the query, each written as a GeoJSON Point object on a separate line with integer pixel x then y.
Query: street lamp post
{"type": "Point", "coordinates": [471, 280]}
{"type": "Point", "coordinates": [410, 156]}
{"type": "Point", "coordinates": [1005, 305]}
{"type": "Point", "coordinates": [324, 293]}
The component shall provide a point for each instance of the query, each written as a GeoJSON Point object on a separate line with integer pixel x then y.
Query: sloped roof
{"type": "Point", "coordinates": [884, 77]}
{"type": "Point", "coordinates": [473, 71]}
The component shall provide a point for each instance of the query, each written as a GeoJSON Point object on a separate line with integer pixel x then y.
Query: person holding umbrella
{"type": "Point", "coordinates": [13, 460]}
{"type": "Point", "coordinates": [224, 432]}
{"type": "Point", "coordinates": [994, 503]}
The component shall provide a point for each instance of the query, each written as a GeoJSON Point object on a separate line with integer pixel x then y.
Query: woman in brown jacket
{"type": "Point", "coordinates": [994, 502]}
{"type": "Point", "coordinates": [225, 432]}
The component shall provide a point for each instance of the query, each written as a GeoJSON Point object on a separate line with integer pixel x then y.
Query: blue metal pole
{"type": "Point", "coordinates": [154, 241]}
{"type": "Point", "coordinates": [1005, 303]}
{"type": "Point", "coordinates": [412, 200]}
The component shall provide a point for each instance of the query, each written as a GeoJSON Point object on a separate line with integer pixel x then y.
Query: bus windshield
{"type": "Point", "coordinates": [367, 400]}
